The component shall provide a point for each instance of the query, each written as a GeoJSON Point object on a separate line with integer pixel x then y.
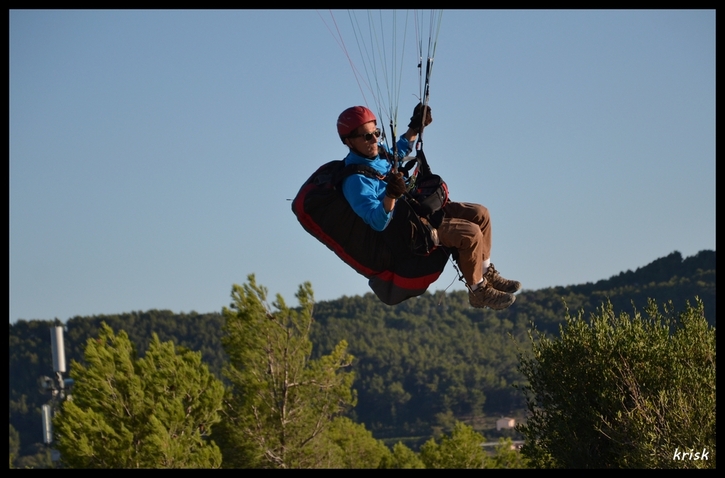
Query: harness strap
{"type": "Point", "coordinates": [351, 169]}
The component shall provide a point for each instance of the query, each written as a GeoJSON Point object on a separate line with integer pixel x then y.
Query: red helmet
{"type": "Point", "coordinates": [350, 119]}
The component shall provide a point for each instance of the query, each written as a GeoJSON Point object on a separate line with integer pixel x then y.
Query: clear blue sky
{"type": "Point", "coordinates": [152, 153]}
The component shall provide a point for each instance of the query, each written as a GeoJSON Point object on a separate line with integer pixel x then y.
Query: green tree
{"type": "Point", "coordinates": [621, 391]}
{"type": "Point", "coordinates": [462, 449]}
{"type": "Point", "coordinates": [506, 456]}
{"type": "Point", "coordinates": [126, 412]}
{"type": "Point", "coordinates": [283, 400]}
{"type": "Point", "coordinates": [14, 444]}
{"type": "Point", "coordinates": [403, 458]}
{"type": "Point", "coordinates": [355, 447]}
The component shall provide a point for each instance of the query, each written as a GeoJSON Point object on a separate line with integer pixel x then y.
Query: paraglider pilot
{"type": "Point", "coordinates": [465, 227]}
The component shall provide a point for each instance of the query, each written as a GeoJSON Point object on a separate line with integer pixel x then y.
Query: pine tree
{"type": "Point", "coordinates": [462, 449]}
{"type": "Point", "coordinates": [355, 447]}
{"type": "Point", "coordinates": [129, 412]}
{"type": "Point", "coordinates": [283, 400]}
{"type": "Point", "coordinates": [403, 458]}
{"type": "Point", "coordinates": [506, 456]}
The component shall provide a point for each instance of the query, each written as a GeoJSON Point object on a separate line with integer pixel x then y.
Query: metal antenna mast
{"type": "Point", "coordinates": [57, 386]}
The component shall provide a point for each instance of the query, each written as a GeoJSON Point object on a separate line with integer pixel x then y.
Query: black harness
{"type": "Point", "coordinates": [399, 262]}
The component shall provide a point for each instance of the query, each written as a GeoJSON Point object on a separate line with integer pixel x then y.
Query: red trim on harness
{"type": "Point", "coordinates": [313, 228]}
{"type": "Point", "coordinates": [414, 283]}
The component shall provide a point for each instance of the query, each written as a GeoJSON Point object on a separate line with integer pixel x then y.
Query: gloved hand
{"type": "Point", "coordinates": [396, 185]}
{"type": "Point", "coordinates": [416, 121]}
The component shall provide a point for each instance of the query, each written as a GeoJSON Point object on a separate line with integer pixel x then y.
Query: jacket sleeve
{"type": "Point", "coordinates": [365, 196]}
{"type": "Point", "coordinates": [404, 147]}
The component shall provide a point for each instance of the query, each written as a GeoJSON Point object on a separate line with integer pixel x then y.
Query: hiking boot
{"type": "Point", "coordinates": [487, 296]}
{"type": "Point", "coordinates": [499, 283]}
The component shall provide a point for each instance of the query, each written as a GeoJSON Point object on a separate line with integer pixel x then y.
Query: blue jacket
{"type": "Point", "coordinates": [365, 194]}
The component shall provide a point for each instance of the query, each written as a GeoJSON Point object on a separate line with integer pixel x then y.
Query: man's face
{"type": "Point", "coordinates": [358, 143]}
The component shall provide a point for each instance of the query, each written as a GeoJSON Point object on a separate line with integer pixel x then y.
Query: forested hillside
{"type": "Point", "coordinates": [417, 365]}
{"type": "Point", "coordinates": [433, 356]}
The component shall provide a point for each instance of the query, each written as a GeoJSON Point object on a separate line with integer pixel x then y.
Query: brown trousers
{"type": "Point", "coordinates": [467, 227]}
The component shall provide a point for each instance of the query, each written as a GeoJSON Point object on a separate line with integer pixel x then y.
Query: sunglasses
{"type": "Point", "coordinates": [367, 136]}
